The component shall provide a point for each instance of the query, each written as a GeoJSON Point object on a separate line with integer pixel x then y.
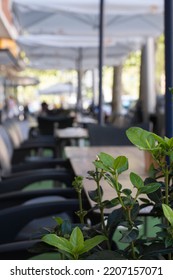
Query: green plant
{"type": "Point", "coordinates": [97, 239]}
{"type": "Point", "coordinates": [75, 246]}
{"type": "Point", "coordinates": [126, 214]}
{"type": "Point", "coordinates": [168, 230]}
{"type": "Point", "coordinates": [161, 150]}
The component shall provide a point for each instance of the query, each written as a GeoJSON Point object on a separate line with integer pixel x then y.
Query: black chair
{"type": "Point", "coordinates": [26, 163]}
{"type": "Point", "coordinates": [14, 178]}
{"type": "Point", "coordinates": [28, 211]}
{"type": "Point", "coordinates": [47, 124]}
{"type": "Point", "coordinates": [7, 168]}
{"type": "Point", "coordinates": [109, 135]}
{"type": "Point", "coordinates": [23, 144]}
{"type": "Point", "coordinates": [21, 250]}
{"type": "Point", "coordinates": [24, 225]}
{"type": "Point", "coordinates": [29, 220]}
{"type": "Point", "coordinates": [18, 197]}
{"type": "Point", "coordinates": [25, 214]}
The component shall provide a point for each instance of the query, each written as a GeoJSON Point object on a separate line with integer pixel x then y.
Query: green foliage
{"type": "Point", "coordinates": [139, 184]}
{"type": "Point", "coordinates": [76, 245]}
{"type": "Point", "coordinates": [161, 150]}
{"type": "Point", "coordinates": [168, 213]}
{"type": "Point", "coordinates": [82, 241]}
{"type": "Point", "coordinates": [78, 183]}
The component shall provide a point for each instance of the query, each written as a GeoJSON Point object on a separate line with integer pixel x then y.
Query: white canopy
{"type": "Point", "coordinates": [91, 6]}
{"type": "Point", "coordinates": [70, 17]}
{"type": "Point", "coordinates": [54, 25]}
{"type": "Point", "coordinates": [49, 51]}
{"type": "Point", "coordinates": [58, 88]}
{"type": "Point", "coordinates": [79, 18]}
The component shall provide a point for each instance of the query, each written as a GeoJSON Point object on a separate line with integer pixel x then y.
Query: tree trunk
{"type": "Point", "coordinates": [116, 95]}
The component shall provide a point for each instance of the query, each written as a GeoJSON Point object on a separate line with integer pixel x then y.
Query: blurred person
{"type": "Point", "coordinates": [44, 109]}
{"type": "Point", "coordinates": [12, 107]}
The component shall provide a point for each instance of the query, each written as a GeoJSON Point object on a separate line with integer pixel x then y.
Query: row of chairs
{"type": "Point", "coordinates": [24, 213]}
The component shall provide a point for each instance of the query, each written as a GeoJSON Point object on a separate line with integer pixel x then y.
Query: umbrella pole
{"type": "Point", "coordinates": [79, 92]}
{"type": "Point", "coordinates": [101, 36]}
{"type": "Point", "coordinates": [168, 67]}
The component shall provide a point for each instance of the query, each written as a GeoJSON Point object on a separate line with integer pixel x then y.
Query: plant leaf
{"type": "Point", "coordinates": [170, 142]}
{"type": "Point", "coordinates": [94, 194]}
{"type": "Point", "coordinates": [112, 181]}
{"type": "Point", "coordinates": [130, 235]}
{"type": "Point", "coordinates": [120, 164]}
{"type": "Point", "coordinates": [92, 242]}
{"type": "Point", "coordinates": [136, 180]}
{"type": "Point", "coordinates": [142, 138]}
{"type": "Point", "coordinates": [106, 159]}
{"type": "Point", "coordinates": [150, 188]}
{"type": "Point", "coordinates": [145, 200]}
{"type": "Point", "coordinates": [98, 164]}
{"type": "Point", "coordinates": [115, 217]}
{"type": "Point", "coordinates": [127, 192]}
{"type": "Point", "coordinates": [156, 196]}
{"type": "Point", "coordinates": [77, 240]}
{"type": "Point", "coordinates": [168, 212]}
{"type": "Point", "coordinates": [58, 220]}
{"type": "Point", "coordinates": [115, 201]}
{"type": "Point", "coordinates": [66, 227]}
{"type": "Point", "coordinates": [58, 242]}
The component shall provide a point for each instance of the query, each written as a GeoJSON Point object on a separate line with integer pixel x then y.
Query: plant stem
{"type": "Point", "coordinates": [167, 199]}
{"type": "Point", "coordinates": [81, 212]}
{"type": "Point", "coordinates": [167, 186]}
{"type": "Point", "coordinates": [133, 250]}
{"type": "Point", "coordinates": [119, 193]}
{"type": "Point", "coordinates": [101, 207]}
{"type": "Point", "coordinates": [100, 202]}
{"type": "Point", "coordinates": [131, 224]}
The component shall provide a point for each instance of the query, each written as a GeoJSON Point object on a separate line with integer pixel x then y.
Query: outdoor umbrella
{"type": "Point", "coordinates": [76, 17]}
{"type": "Point", "coordinates": [69, 52]}
{"type": "Point", "coordinates": [58, 88]}
{"type": "Point", "coordinates": [122, 18]}
{"type": "Point", "coordinates": [24, 81]}
{"type": "Point", "coordinates": [50, 51]}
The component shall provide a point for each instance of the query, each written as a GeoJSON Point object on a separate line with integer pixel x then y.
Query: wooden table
{"type": "Point", "coordinates": [73, 136]}
{"type": "Point", "coordinates": [81, 159]}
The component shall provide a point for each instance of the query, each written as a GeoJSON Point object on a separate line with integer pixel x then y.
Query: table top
{"type": "Point", "coordinates": [86, 155]}
{"type": "Point", "coordinates": [84, 119]}
{"type": "Point", "coordinates": [71, 133]}
{"type": "Point", "coordinates": [82, 158]}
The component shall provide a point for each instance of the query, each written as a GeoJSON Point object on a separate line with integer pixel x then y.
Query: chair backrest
{"type": "Point", "coordinates": [23, 129]}
{"type": "Point", "coordinates": [109, 135]}
{"type": "Point", "coordinates": [14, 219]}
{"type": "Point", "coordinates": [46, 124]}
{"type": "Point", "coordinates": [14, 132]}
{"type": "Point", "coordinates": [5, 159]}
{"type": "Point", "coordinates": [7, 140]}
{"type": "Point", "coordinates": [66, 121]}
{"type": "Point", "coordinates": [17, 130]}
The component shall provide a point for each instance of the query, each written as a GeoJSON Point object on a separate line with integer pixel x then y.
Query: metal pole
{"type": "Point", "coordinates": [168, 67]}
{"type": "Point", "coordinates": [101, 27]}
{"type": "Point", "coordinates": [94, 86]}
{"type": "Point", "coordinates": [79, 73]}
